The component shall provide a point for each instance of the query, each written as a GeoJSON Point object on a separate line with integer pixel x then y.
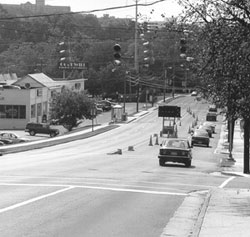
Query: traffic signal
{"type": "Point", "coordinates": [145, 26]}
{"type": "Point", "coordinates": [183, 47]}
{"type": "Point", "coordinates": [117, 54]}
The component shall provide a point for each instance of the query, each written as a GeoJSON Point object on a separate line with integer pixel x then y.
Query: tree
{"type": "Point", "coordinates": [223, 70]}
{"type": "Point", "coordinates": [69, 106]}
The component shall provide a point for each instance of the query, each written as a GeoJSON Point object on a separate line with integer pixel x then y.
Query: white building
{"type": "Point", "coordinates": [31, 102]}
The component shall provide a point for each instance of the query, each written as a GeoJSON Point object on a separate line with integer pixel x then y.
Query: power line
{"type": "Point", "coordinates": [83, 12]}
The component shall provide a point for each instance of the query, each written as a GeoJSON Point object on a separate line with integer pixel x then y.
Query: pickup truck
{"type": "Point", "coordinates": [42, 128]}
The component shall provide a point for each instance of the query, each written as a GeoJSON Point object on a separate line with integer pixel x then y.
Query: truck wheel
{"type": "Point", "coordinates": [161, 162]}
{"type": "Point", "coordinates": [188, 163]}
{"type": "Point", "coordinates": [32, 133]}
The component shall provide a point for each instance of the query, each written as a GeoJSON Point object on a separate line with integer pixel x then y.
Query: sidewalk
{"type": "Point", "coordinates": [230, 167]}
{"type": "Point", "coordinates": [227, 210]}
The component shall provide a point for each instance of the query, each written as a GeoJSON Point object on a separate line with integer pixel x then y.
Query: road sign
{"type": "Point", "coordinates": [73, 65]}
{"type": "Point", "coordinates": [169, 111]}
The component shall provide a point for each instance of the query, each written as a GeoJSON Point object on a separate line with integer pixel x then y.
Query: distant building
{"type": "Point", "coordinates": [29, 99]}
{"type": "Point", "coordinates": [7, 79]}
{"type": "Point", "coordinates": [38, 8]}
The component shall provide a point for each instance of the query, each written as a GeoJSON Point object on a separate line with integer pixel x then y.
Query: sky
{"type": "Point", "coordinates": [154, 12]}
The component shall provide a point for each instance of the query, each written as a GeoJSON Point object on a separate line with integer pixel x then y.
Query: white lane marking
{"type": "Point", "coordinates": [33, 200]}
{"type": "Point", "coordinates": [89, 181]}
{"type": "Point", "coordinates": [99, 188]}
{"type": "Point", "coordinates": [226, 182]}
{"type": "Point", "coordinates": [132, 190]}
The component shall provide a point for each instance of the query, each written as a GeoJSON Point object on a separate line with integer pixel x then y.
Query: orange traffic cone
{"type": "Point", "coordinates": [156, 140]}
{"type": "Point", "coordinates": [150, 141]}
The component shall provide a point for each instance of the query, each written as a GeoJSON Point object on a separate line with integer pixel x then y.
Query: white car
{"type": "Point", "coordinates": [13, 137]}
{"type": "Point", "coordinates": [194, 93]}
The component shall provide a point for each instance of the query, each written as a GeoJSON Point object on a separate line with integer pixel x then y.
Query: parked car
{"type": "Point", "coordinates": [175, 150]}
{"type": "Point", "coordinates": [43, 128]}
{"type": "Point", "coordinates": [211, 125]}
{"type": "Point", "coordinates": [200, 137]}
{"type": "Point", "coordinates": [212, 108]}
{"type": "Point", "coordinates": [105, 105]}
{"type": "Point", "coordinates": [207, 128]}
{"type": "Point", "coordinates": [194, 93]}
{"type": "Point", "coordinates": [211, 116]}
{"type": "Point", "coordinates": [13, 137]}
{"type": "Point", "coordinates": [6, 141]}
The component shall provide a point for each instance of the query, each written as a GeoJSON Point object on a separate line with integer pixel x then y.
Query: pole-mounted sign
{"type": "Point", "coordinates": [169, 111]}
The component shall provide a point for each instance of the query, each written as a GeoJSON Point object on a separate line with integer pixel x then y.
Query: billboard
{"type": "Point", "coordinates": [73, 65]}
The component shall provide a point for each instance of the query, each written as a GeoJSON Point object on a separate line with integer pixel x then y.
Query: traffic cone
{"type": "Point", "coordinates": [150, 141]}
{"type": "Point", "coordinates": [156, 140]}
{"type": "Point", "coordinates": [130, 148]}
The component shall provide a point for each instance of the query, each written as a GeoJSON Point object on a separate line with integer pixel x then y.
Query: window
{"type": "Point", "coordinates": [22, 111]}
{"type": "Point", "coordinates": [33, 111]}
{"type": "Point", "coordinates": [77, 86]}
{"type": "Point", "coordinates": [39, 92]}
{"type": "Point", "coordinates": [2, 111]}
{"type": "Point", "coordinates": [13, 111]}
{"type": "Point", "coordinates": [39, 109]}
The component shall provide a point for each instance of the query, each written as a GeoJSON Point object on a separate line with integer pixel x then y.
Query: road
{"type": "Point", "coordinates": [83, 188]}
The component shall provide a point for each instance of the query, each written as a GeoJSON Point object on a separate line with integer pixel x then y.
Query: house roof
{"type": "Point", "coordinates": [8, 78]}
{"type": "Point", "coordinates": [43, 79]}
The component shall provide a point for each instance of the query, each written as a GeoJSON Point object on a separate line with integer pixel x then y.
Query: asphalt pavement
{"type": "Point", "coordinates": [221, 211]}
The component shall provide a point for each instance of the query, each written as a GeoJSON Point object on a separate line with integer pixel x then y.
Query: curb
{"type": "Point", "coordinates": [54, 141]}
{"type": "Point", "coordinates": [69, 137]}
{"type": "Point", "coordinates": [187, 220]}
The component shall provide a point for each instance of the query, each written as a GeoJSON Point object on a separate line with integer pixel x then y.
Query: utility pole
{"type": "Point", "coordinates": [165, 82]}
{"type": "Point", "coordinates": [136, 53]}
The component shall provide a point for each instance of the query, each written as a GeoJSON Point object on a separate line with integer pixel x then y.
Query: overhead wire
{"type": "Point", "coordinates": [83, 12]}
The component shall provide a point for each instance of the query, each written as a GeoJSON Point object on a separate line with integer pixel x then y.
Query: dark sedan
{"type": "Point", "coordinates": [175, 150]}
{"type": "Point", "coordinates": [200, 137]}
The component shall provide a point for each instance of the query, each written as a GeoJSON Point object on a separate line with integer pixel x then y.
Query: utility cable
{"type": "Point", "coordinates": [83, 12]}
